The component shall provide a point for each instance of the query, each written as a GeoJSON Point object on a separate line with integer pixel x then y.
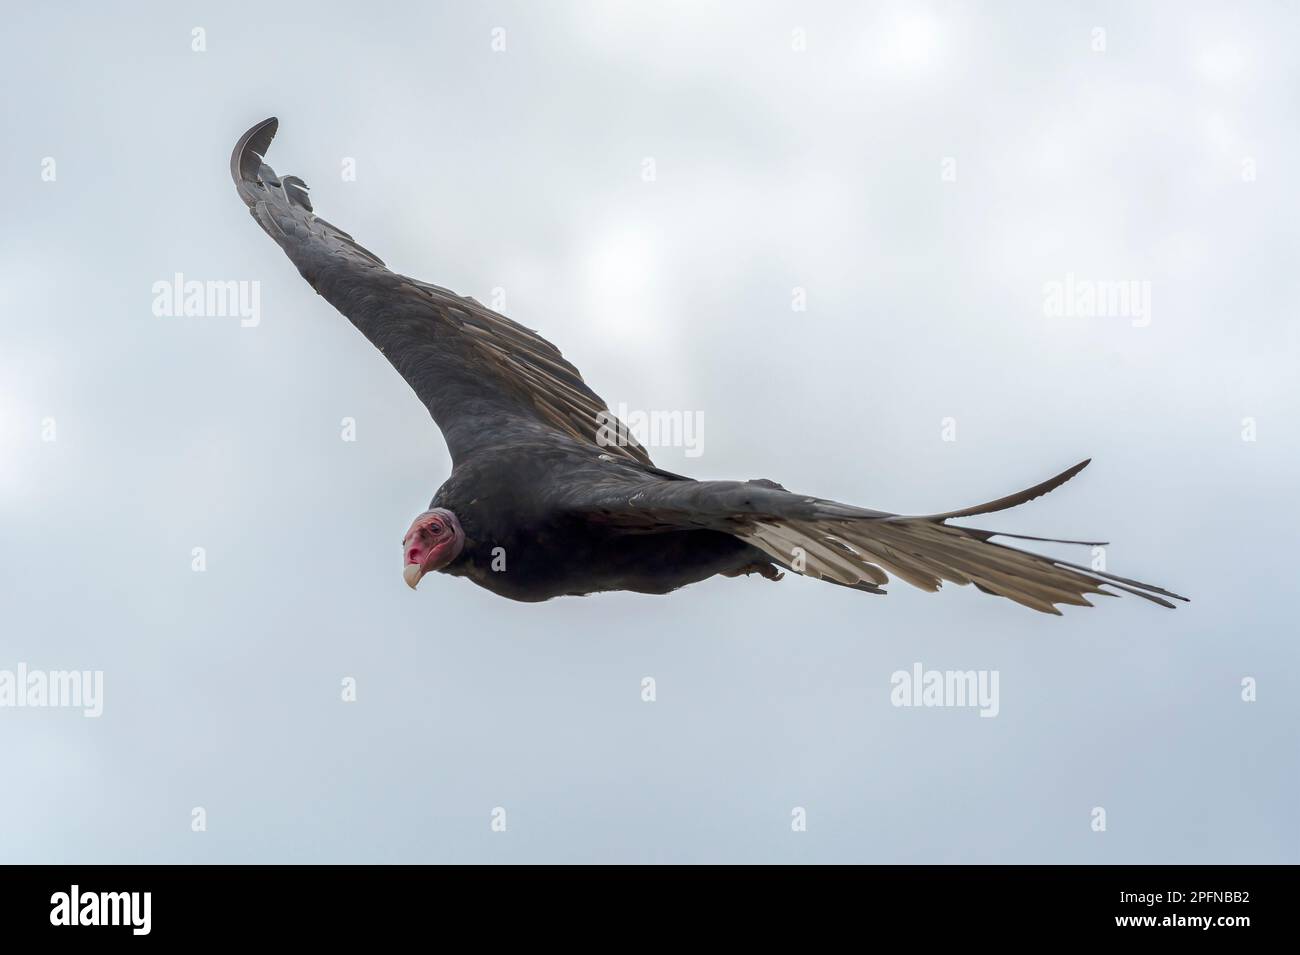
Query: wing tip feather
{"type": "Point", "coordinates": [251, 148]}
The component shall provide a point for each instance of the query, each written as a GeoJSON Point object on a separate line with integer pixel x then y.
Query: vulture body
{"type": "Point", "coordinates": [550, 495]}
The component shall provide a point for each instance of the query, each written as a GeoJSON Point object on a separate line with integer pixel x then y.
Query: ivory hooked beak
{"type": "Point", "coordinates": [412, 574]}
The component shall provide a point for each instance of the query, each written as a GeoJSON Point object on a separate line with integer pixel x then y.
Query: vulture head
{"type": "Point", "coordinates": [434, 541]}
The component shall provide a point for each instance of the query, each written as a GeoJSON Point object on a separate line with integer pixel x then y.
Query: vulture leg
{"type": "Point", "coordinates": [760, 567]}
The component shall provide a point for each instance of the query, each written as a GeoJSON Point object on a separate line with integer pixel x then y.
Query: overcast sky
{"type": "Point", "coordinates": [829, 232]}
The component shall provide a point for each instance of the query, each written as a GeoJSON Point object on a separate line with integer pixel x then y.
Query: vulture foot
{"type": "Point", "coordinates": [760, 567]}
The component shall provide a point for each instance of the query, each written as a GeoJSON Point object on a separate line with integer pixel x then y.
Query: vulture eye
{"type": "Point", "coordinates": [435, 527]}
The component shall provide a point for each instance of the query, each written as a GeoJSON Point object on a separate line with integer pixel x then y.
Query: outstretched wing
{"type": "Point", "coordinates": [855, 546]}
{"type": "Point", "coordinates": [483, 377]}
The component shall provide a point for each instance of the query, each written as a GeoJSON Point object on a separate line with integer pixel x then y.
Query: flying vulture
{"type": "Point", "coordinates": [549, 494]}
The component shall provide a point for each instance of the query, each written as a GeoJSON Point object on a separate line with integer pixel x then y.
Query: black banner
{"type": "Point", "coordinates": [204, 904]}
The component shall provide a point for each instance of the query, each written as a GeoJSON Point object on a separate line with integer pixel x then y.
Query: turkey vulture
{"type": "Point", "coordinates": [550, 495]}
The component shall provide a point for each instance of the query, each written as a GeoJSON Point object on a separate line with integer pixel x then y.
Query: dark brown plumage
{"type": "Point", "coordinates": [538, 506]}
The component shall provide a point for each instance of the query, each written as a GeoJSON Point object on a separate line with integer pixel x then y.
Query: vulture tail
{"type": "Point", "coordinates": [924, 551]}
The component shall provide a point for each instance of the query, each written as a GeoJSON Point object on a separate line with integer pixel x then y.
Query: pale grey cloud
{"type": "Point", "coordinates": [775, 169]}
